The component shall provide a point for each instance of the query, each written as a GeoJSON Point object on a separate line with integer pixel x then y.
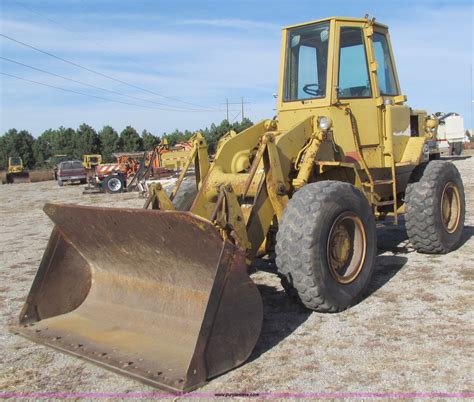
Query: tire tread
{"type": "Point", "coordinates": [295, 243]}
{"type": "Point", "coordinates": [421, 199]}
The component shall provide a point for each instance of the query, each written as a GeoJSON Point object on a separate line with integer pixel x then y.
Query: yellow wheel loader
{"type": "Point", "coordinates": [163, 295]}
{"type": "Point", "coordinates": [91, 161]}
{"type": "Point", "coordinates": [16, 172]}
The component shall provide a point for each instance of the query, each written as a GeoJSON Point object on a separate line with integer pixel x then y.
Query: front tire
{"type": "Point", "coordinates": [326, 246]}
{"type": "Point", "coordinates": [435, 208]}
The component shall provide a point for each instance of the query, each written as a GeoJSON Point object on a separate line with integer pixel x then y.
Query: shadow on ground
{"type": "Point", "coordinates": [456, 158]}
{"type": "Point", "coordinates": [394, 238]}
{"type": "Point", "coordinates": [281, 317]}
{"type": "Point", "coordinates": [281, 314]}
{"type": "Point", "coordinates": [467, 234]}
{"type": "Point", "coordinates": [386, 267]}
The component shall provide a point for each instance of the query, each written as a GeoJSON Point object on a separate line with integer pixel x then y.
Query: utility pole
{"type": "Point", "coordinates": [242, 110]}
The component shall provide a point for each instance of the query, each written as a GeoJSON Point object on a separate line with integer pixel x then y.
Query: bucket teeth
{"type": "Point", "coordinates": [155, 295]}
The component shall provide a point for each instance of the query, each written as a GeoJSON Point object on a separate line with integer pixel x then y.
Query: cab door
{"type": "Point", "coordinates": [395, 115]}
{"type": "Point", "coordinates": [355, 89]}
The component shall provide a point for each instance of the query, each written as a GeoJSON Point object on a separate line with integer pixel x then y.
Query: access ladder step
{"type": "Point", "coordinates": [383, 203]}
{"type": "Point", "coordinates": [378, 182]}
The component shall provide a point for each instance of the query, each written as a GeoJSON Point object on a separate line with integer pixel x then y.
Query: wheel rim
{"type": "Point", "coordinates": [346, 248]}
{"type": "Point", "coordinates": [114, 184]}
{"type": "Point", "coordinates": [450, 207]}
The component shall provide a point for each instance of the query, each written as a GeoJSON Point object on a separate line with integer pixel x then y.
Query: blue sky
{"type": "Point", "coordinates": [203, 52]}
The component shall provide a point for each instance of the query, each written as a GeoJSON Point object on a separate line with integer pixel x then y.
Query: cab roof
{"type": "Point", "coordinates": [346, 19]}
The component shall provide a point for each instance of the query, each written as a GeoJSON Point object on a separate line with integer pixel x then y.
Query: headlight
{"type": "Point", "coordinates": [324, 123]}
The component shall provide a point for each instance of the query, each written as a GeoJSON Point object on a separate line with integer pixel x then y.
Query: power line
{"type": "Point", "coordinates": [241, 103]}
{"type": "Point", "coordinates": [235, 117]}
{"type": "Point", "coordinates": [97, 87]}
{"type": "Point", "coordinates": [84, 94]}
{"type": "Point", "coordinates": [51, 20]}
{"type": "Point", "coordinates": [101, 74]}
{"type": "Point", "coordinates": [66, 28]}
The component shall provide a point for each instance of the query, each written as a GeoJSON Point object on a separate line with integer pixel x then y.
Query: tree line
{"type": "Point", "coordinates": [36, 152]}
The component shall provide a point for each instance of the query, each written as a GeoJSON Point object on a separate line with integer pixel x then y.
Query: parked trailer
{"type": "Point", "coordinates": [450, 133]}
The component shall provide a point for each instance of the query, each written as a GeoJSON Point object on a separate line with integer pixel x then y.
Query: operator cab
{"type": "Point", "coordinates": [339, 66]}
{"type": "Point", "coordinates": [338, 58]}
{"type": "Point", "coordinates": [15, 161]}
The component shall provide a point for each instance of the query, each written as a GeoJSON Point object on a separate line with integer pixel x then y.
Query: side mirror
{"type": "Point", "coordinates": [399, 99]}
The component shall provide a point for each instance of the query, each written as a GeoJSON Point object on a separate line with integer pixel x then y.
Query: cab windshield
{"type": "Point", "coordinates": [16, 161]}
{"type": "Point", "coordinates": [306, 62]}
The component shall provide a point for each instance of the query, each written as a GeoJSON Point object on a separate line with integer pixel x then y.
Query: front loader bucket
{"type": "Point", "coordinates": [155, 295]}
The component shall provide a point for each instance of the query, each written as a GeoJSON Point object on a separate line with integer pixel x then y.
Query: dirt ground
{"type": "Point", "coordinates": [412, 333]}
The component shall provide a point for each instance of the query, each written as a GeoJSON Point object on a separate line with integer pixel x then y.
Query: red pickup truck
{"type": "Point", "coordinates": [70, 171]}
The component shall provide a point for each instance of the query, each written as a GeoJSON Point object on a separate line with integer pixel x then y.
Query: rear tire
{"type": "Point", "coordinates": [435, 208]}
{"type": "Point", "coordinates": [326, 246]}
{"type": "Point", "coordinates": [113, 184]}
{"type": "Point", "coordinates": [457, 148]}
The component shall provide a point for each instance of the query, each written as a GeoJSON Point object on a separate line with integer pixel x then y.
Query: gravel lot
{"type": "Point", "coordinates": [412, 333]}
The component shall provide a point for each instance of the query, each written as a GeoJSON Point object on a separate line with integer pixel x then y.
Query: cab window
{"type": "Point", "coordinates": [306, 62]}
{"type": "Point", "coordinates": [385, 74]}
{"type": "Point", "coordinates": [353, 71]}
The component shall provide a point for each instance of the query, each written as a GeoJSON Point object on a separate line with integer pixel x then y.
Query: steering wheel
{"type": "Point", "coordinates": [312, 89]}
